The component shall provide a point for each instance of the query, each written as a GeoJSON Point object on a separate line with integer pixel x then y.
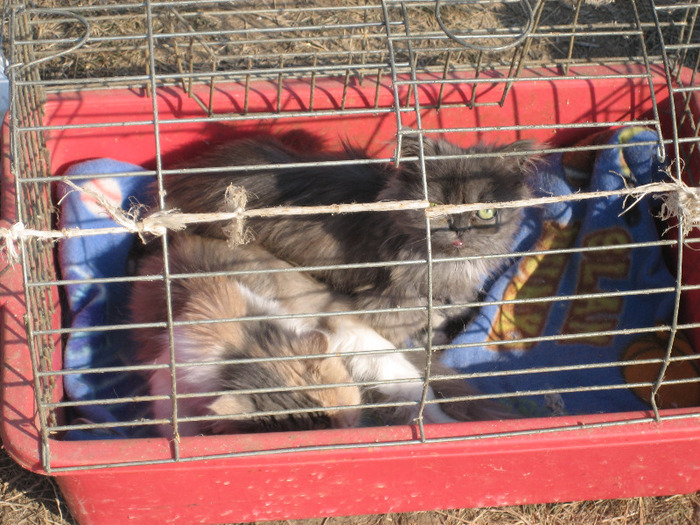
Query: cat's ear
{"type": "Point", "coordinates": [410, 146]}
{"type": "Point", "coordinates": [313, 342]}
{"type": "Point", "coordinates": [527, 160]}
{"type": "Point", "coordinates": [408, 172]}
{"type": "Point", "coordinates": [229, 405]}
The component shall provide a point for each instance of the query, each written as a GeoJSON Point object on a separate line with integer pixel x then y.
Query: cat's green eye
{"type": "Point", "coordinates": [487, 214]}
{"type": "Point", "coordinates": [433, 204]}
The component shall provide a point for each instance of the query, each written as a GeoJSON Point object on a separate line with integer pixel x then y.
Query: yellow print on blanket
{"type": "Point", "coordinates": [598, 314]}
{"type": "Point", "coordinates": [538, 276]}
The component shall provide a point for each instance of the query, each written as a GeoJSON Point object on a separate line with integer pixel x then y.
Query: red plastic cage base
{"type": "Point", "coordinates": [648, 459]}
{"type": "Point", "coordinates": [460, 465]}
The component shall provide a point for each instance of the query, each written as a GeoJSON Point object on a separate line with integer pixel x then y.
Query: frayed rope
{"type": "Point", "coordinates": [683, 204]}
{"type": "Point", "coordinates": [678, 200]}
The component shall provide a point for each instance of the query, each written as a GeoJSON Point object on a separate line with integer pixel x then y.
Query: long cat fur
{"type": "Point", "coordinates": [385, 237]}
{"type": "Point", "coordinates": [392, 377]}
{"type": "Point", "coordinates": [201, 299]}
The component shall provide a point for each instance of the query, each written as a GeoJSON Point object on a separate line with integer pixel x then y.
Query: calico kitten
{"type": "Point", "coordinates": [202, 299]}
{"type": "Point", "coordinates": [385, 237]}
{"type": "Point", "coordinates": [393, 377]}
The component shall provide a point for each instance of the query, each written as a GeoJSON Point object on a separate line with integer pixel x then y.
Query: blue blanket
{"type": "Point", "coordinates": [99, 303]}
{"type": "Point", "coordinates": [565, 225]}
{"type": "Point", "coordinates": [514, 367]}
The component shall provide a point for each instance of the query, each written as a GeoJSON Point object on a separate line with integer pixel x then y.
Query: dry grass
{"type": "Point", "coordinates": [297, 34]}
{"type": "Point", "coordinates": [27, 498]}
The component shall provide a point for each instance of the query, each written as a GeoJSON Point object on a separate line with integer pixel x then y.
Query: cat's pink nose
{"type": "Point", "coordinates": [458, 243]}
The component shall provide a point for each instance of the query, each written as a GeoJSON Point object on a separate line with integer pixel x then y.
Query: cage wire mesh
{"type": "Point", "coordinates": [405, 63]}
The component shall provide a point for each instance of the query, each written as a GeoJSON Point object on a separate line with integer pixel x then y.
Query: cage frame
{"type": "Point", "coordinates": [641, 453]}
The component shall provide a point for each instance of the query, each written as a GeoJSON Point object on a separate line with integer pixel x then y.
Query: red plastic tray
{"type": "Point", "coordinates": [374, 470]}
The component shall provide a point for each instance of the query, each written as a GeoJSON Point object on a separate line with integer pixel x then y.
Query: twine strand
{"type": "Point", "coordinates": [678, 201]}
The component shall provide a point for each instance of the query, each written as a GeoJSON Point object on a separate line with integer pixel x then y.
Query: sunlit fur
{"type": "Point", "coordinates": [354, 351]}
{"type": "Point", "coordinates": [326, 239]}
{"type": "Point", "coordinates": [302, 355]}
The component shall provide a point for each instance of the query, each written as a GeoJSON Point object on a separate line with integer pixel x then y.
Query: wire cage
{"type": "Point", "coordinates": [609, 396]}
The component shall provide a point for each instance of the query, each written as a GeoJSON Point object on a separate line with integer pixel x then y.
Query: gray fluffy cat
{"type": "Point", "coordinates": [371, 237]}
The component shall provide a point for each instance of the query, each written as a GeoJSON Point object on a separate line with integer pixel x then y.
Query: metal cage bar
{"type": "Point", "coordinates": [408, 62]}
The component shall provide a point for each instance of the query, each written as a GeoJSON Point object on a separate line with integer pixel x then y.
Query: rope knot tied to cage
{"type": "Point", "coordinates": [10, 237]}
{"type": "Point", "coordinates": [683, 204]}
{"type": "Point", "coordinates": [155, 224]}
{"type": "Point", "coordinates": [235, 200]}
{"type": "Point", "coordinates": [137, 219]}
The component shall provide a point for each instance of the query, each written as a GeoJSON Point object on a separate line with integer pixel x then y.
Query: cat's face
{"type": "Point", "coordinates": [456, 181]}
